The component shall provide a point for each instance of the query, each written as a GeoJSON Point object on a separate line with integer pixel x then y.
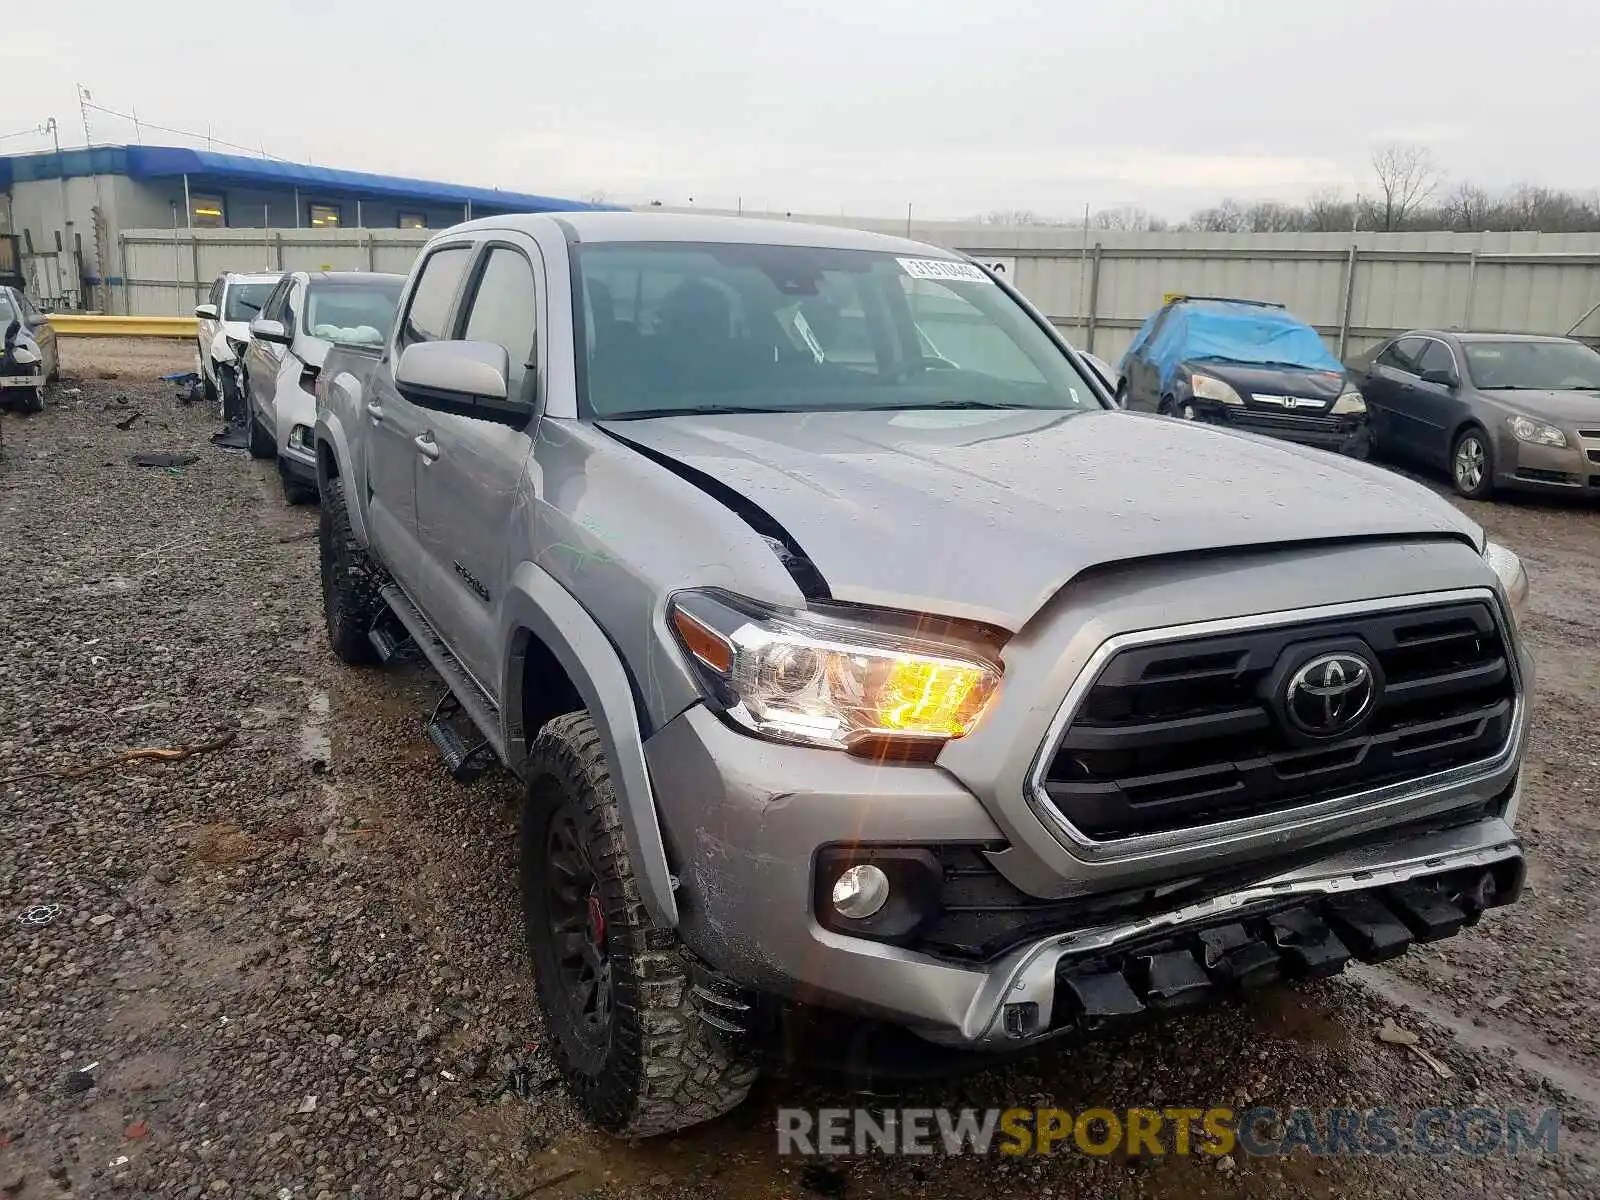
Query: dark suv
{"type": "Point", "coordinates": [1247, 364]}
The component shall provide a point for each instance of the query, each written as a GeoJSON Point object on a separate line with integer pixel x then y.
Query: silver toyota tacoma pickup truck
{"type": "Point", "coordinates": [884, 696]}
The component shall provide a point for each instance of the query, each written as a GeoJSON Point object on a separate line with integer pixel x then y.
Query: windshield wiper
{"type": "Point", "coordinates": [692, 410]}
{"type": "Point", "coordinates": [952, 404]}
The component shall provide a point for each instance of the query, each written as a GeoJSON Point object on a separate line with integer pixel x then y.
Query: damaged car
{"type": "Point", "coordinates": [29, 358]}
{"type": "Point", "coordinates": [1249, 365]}
{"type": "Point", "coordinates": [888, 708]}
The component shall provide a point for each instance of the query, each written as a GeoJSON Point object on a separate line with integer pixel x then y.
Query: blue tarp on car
{"type": "Point", "coordinates": [1243, 333]}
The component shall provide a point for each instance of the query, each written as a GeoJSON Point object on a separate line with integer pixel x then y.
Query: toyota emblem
{"type": "Point", "coordinates": [1330, 694]}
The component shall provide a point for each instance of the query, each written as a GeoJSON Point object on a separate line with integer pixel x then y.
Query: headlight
{"type": "Point", "coordinates": [302, 437]}
{"type": "Point", "coordinates": [824, 681]}
{"type": "Point", "coordinates": [1206, 387]}
{"type": "Point", "coordinates": [237, 347]}
{"type": "Point", "coordinates": [24, 356]}
{"type": "Point", "coordinates": [1513, 578]}
{"type": "Point", "coordinates": [1349, 401]}
{"type": "Point", "coordinates": [1536, 433]}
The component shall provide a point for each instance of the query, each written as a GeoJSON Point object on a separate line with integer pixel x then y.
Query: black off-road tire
{"type": "Point", "coordinates": [33, 399]}
{"type": "Point", "coordinates": [208, 382]}
{"type": "Point", "coordinates": [660, 1068]}
{"type": "Point", "coordinates": [350, 581]}
{"type": "Point", "coordinates": [294, 492]}
{"type": "Point", "coordinates": [262, 443]}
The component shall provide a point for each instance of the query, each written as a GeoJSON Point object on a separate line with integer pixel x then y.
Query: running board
{"type": "Point", "coordinates": [484, 712]}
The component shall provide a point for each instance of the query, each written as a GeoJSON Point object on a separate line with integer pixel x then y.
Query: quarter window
{"type": "Point", "coordinates": [430, 300]}
{"type": "Point", "coordinates": [503, 311]}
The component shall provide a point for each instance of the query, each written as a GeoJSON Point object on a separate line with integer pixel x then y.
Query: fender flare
{"type": "Point", "coordinates": [535, 601]}
{"type": "Point", "coordinates": [330, 433]}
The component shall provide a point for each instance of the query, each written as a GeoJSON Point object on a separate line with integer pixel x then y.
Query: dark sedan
{"type": "Point", "coordinates": [1497, 410]}
{"type": "Point", "coordinates": [1248, 364]}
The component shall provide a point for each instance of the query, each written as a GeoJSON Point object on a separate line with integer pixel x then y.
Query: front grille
{"type": "Point", "coordinates": [1175, 735]}
{"type": "Point", "coordinates": [1539, 475]}
{"type": "Point", "coordinates": [1256, 418]}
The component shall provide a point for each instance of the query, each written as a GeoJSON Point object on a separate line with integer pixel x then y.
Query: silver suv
{"type": "Point", "coordinates": [877, 683]}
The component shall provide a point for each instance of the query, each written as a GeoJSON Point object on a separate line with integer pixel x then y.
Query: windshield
{"type": "Point", "coordinates": [352, 312]}
{"type": "Point", "coordinates": [1241, 333]}
{"type": "Point", "coordinates": [244, 301]}
{"type": "Point", "coordinates": [677, 327]}
{"type": "Point", "coordinates": [1556, 366]}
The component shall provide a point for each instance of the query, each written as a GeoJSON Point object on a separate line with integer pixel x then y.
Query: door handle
{"type": "Point", "coordinates": [375, 411]}
{"type": "Point", "coordinates": [425, 444]}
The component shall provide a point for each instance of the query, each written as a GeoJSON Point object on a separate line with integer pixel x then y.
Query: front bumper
{"type": "Point", "coordinates": [299, 467]}
{"type": "Point", "coordinates": [1343, 435]}
{"type": "Point", "coordinates": [745, 821]}
{"type": "Point", "coordinates": [1572, 470]}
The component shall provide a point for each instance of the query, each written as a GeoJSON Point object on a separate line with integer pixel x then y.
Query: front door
{"type": "Point", "coordinates": [1433, 406]}
{"type": "Point", "coordinates": [393, 425]}
{"type": "Point", "coordinates": [470, 478]}
{"type": "Point", "coordinates": [1386, 390]}
{"type": "Point", "coordinates": [262, 359]}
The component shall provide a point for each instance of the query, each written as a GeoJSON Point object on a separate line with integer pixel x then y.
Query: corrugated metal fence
{"type": "Point", "coordinates": [1355, 288]}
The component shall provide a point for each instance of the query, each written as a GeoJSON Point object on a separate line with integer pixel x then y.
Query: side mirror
{"type": "Point", "coordinates": [1442, 378]}
{"type": "Point", "coordinates": [269, 331]}
{"type": "Point", "coordinates": [206, 312]}
{"type": "Point", "coordinates": [465, 378]}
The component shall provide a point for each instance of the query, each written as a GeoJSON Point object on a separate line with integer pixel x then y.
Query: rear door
{"type": "Point", "coordinates": [470, 479]}
{"type": "Point", "coordinates": [393, 425]}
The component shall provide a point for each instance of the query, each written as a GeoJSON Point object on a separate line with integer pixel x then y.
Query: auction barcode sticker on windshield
{"type": "Point", "coordinates": [942, 269]}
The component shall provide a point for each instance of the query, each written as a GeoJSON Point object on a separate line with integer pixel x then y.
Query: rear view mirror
{"type": "Point", "coordinates": [465, 378]}
{"type": "Point", "coordinates": [206, 312]}
{"type": "Point", "coordinates": [1442, 378]}
{"type": "Point", "coordinates": [269, 331]}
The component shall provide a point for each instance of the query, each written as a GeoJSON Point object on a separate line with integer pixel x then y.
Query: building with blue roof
{"type": "Point", "coordinates": [70, 209]}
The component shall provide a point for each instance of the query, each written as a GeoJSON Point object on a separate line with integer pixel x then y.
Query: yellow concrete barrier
{"type": "Point", "coordinates": [87, 325]}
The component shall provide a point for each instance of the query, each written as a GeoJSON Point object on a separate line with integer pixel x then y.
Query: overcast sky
{"type": "Point", "coordinates": [956, 106]}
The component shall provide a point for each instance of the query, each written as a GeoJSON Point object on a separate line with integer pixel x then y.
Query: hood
{"type": "Point", "coordinates": [1272, 380]}
{"type": "Point", "coordinates": [986, 514]}
{"type": "Point", "coordinates": [313, 351]}
{"type": "Point", "coordinates": [1561, 407]}
{"type": "Point", "coordinates": [239, 331]}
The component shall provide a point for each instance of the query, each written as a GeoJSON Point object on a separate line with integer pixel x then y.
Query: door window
{"type": "Point", "coordinates": [275, 307]}
{"type": "Point", "coordinates": [1436, 356]}
{"type": "Point", "coordinates": [429, 307]}
{"type": "Point", "coordinates": [1402, 355]}
{"type": "Point", "coordinates": [503, 310]}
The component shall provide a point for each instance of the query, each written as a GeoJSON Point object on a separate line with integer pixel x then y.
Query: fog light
{"type": "Point", "coordinates": [860, 892]}
{"type": "Point", "coordinates": [302, 437]}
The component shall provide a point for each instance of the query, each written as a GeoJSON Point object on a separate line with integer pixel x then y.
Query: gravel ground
{"type": "Point", "coordinates": [290, 965]}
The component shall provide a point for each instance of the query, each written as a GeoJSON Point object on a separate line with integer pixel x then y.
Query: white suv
{"type": "Point", "coordinates": [223, 329]}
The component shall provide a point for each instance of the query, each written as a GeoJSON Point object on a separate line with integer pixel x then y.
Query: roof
{"type": "Point", "coordinates": [1485, 336]}
{"type": "Point", "coordinates": [617, 225]}
{"type": "Point", "coordinates": [167, 162]}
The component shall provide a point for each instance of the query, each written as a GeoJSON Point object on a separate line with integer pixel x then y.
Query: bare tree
{"type": "Point", "coordinates": [1227, 217]}
{"type": "Point", "coordinates": [1467, 209]}
{"type": "Point", "coordinates": [1015, 216]}
{"type": "Point", "coordinates": [1269, 216]}
{"type": "Point", "coordinates": [1329, 212]}
{"type": "Point", "coordinates": [1129, 217]}
{"type": "Point", "coordinates": [1407, 177]}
